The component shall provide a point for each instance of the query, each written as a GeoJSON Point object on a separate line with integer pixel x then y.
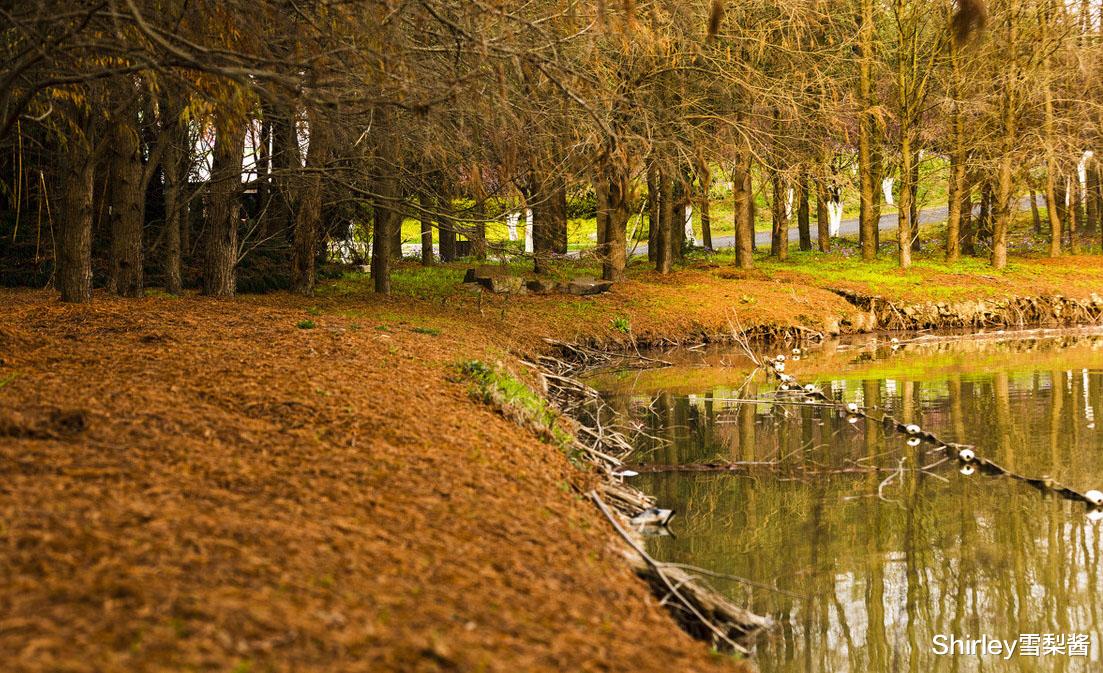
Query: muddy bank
{"type": "Point", "coordinates": [879, 313]}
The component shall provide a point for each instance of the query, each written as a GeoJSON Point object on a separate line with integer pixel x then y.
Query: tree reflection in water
{"type": "Point", "coordinates": [939, 552]}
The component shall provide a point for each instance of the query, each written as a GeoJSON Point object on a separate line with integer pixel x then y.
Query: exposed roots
{"type": "Point", "coordinates": [700, 610]}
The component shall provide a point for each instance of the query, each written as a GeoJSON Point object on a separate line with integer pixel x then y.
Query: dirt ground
{"type": "Point", "coordinates": [189, 484]}
{"type": "Point", "coordinates": [287, 484]}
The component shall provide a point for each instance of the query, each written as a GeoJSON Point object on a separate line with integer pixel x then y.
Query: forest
{"type": "Point", "coordinates": [550, 335]}
{"type": "Point", "coordinates": [187, 144]}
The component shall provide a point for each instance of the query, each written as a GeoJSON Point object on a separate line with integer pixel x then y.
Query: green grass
{"type": "Point", "coordinates": [7, 380]}
{"type": "Point", "coordinates": [431, 331]}
{"type": "Point", "coordinates": [305, 324]}
{"type": "Point", "coordinates": [500, 389]}
{"type": "Point", "coordinates": [581, 232]}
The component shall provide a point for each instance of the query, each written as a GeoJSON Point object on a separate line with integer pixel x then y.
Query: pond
{"type": "Point", "coordinates": [869, 553]}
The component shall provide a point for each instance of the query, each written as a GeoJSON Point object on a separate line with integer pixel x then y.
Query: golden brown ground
{"type": "Point", "coordinates": [192, 484]}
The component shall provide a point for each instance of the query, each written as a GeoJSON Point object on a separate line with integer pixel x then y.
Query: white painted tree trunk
{"type": "Point", "coordinates": [886, 189]}
{"type": "Point", "coordinates": [789, 205]}
{"type": "Point", "coordinates": [834, 216]}
{"type": "Point", "coordinates": [1082, 174]}
{"type": "Point", "coordinates": [528, 230]}
{"type": "Point", "coordinates": [689, 225]}
{"type": "Point", "coordinates": [511, 223]}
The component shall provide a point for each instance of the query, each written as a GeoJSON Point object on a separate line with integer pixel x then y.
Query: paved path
{"type": "Point", "coordinates": [888, 222]}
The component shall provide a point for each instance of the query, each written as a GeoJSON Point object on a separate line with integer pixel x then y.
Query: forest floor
{"type": "Point", "coordinates": [280, 483]}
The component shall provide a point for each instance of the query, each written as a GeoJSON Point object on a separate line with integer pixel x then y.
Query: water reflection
{"type": "Point", "coordinates": [879, 568]}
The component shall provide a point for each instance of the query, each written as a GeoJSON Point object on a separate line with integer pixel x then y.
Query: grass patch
{"type": "Point", "coordinates": [431, 331]}
{"type": "Point", "coordinates": [516, 401]}
{"type": "Point", "coordinates": [621, 324]}
{"type": "Point", "coordinates": [305, 324]}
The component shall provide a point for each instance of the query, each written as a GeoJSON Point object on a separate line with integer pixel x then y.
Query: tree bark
{"type": "Point", "coordinates": [1072, 210]}
{"type": "Point", "coordinates": [616, 232]}
{"type": "Point", "coordinates": [868, 224]}
{"type": "Point", "coordinates": [308, 216]}
{"type": "Point", "coordinates": [804, 224]}
{"type": "Point", "coordinates": [286, 162]}
{"type": "Point", "coordinates": [904, 207]}
{"type": "Point", "coordinates": [823, 218]}
{"type": "Point", "coordinates": [779, 232]}
{"type": "Point", "coordinates": [705, 180]}
{"type": "Point", "coordinates": [559, 218]}
{"type": "Point", "coordinates": [386, 216]}
{"type": "Point", "coordinates": [1035, 214]}
{"type": "Point", "coordinates": [426, 229]}
{"type": "Point", "coordinates": [743, 213]}
{"type": "Point", "coordinates": [477, 230]}
{"type": "Point", "coordinates": [127, 207]}
{"type": "Point", "coordinates": [172, 163]}
{"type": "Point", "coordinates": [653, 211]}
{"type": "Point", "coordinates": [73, 246]}
{"type": "Point", "coordinates": [549, 213]}
{"type": "Point", "coordinates": [224, 211]}
{"type": "Point", "coordinates": [664, 256]}
{"type": "Point", "coordinates": [446, 230]}
{"type": "Point", "coordinates": [1092, 205]}
{"type": "Point", "coordinates": [968, 224]}
{"type": "Point", "coordinates": [601, 214]}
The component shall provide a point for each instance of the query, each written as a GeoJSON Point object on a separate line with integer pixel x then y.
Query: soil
{"type": "Point", "coordinates": [287, 484]}
{"type": "Point", "coordinates": [192, 484]}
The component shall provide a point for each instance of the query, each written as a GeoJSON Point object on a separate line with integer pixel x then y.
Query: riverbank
{"type": "Point", "coordinates": [282, 483]}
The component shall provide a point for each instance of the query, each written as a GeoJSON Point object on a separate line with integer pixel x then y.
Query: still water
{"type": "Point", "coordinates": [866, 562]}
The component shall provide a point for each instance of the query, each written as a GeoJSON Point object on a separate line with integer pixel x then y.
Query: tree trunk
{"type": "Point", "coordinates": [426, 230]}
{"type": "Point", "coordinates": [748, 180]}
{"type": "Point", "coordinates": [286, 164]}
{"type": "Point", "coordinates": [73, 247]}
{"type": "Point", "coordinates": [224, 210]}
{"type": "Point", "coordinates": [477, 230]}
{"type": "Point", "coordinates": [446, 230]}
{"type": "Point", "coordinates": [779, 220]}
{"type": "Point", "coordinates": [955, 194]}
{"type": "Point", "coordinates": [653, 212]}
{"type": "Point", "coordinates": [1002, 220]}
{"type": "Point", "coordinates": [680, 195]}
{"type": "Point", "coordinates": [616, 232]}
{"type": "Point", "coordinates": [968, 224]}
{"type": "Point", "coordinates": [904, 208]}
{"type": "Point", "coordinates": [703, 206]}
{"type": "Point", "coordinates": [387, 216]}
{"type": "Point", "coordinates": [127, 207]}
{"type": "Point", "coordinates": [1071, 212]}
{"type": "Point", "coordinates": [559, 218]}
{"type": "Point", "coordinates": [601, 214]}
{"type": "Point", "coordinates": [264, 171]}
{"type": "Point", "coordinates": [804, 224]}
{"type": "Point", "coordinates": [664, 256]}
{"type": "Point", "coordinates": [1092, 206]}
{"type": "Point", "coordinates": [1035, 214]}
{"type": "Point", "coordinates": [396, 240]}
{"type": "Point", "coordinates": [868, 224]}
{"type": "Point", "coordinates": [173, 169]}
{"type": "Point", "coordinates": [823, 218]}
{"type": "Point", "coordinates": [742, 207]}
{"type": "Point", "coordinates": [913, 209]}
{"type": "Point", "coordinates": [304, 248]}
{"type": "Point", "coordinates": [548, 219]}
